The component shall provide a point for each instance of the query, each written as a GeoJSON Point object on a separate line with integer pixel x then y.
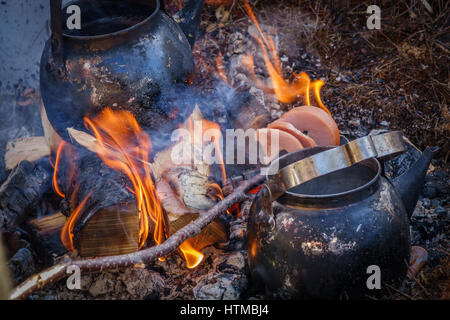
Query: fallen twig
{"type": "Point", "coordinates": [58, 271]}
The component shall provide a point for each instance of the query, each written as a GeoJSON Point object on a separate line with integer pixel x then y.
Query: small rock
{"type": "Point", "coordinates": [22, 264]}
{"type": "Point", "coordinates": [355, 123]}
{"type": "Point", "coordinates": [105, 283]}
{"type": "Point", "coordinates": [441, 212]}
{"type": "Point", "coordinates": [219, 286]}
{"type": "Point", "coordinates": [435, 203]}
{"type": "Point", "coordinates": [142, 282]}
{"type": "Point", "coordinates": [384, 123]}
{"type": "Point", "coordinates": [429, 190]}
{"type": "Point", "coordinates": [426, 203]}
{"type": "Point", "coordinates": [258, 94]}
{"type": "Point", "coordinates": [236, 260]}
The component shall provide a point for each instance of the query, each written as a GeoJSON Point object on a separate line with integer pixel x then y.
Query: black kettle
{"type": "Point", "coordinates": [323, 238]}
{"type": "Point", "coordinates": [125, 53]}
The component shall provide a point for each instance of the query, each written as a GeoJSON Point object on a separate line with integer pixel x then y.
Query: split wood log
{"type": "Point", "coordinates": [24, 187]}
{"type": "Point", "coordinates": [58, 271]}
{"type": "Point", "coordinates": [30, 149]}
{"type": "Point", "coordinates": [33, 148]}
{"type": "Point", "coordinates": [48, 224]}
{"type": "Point", "coordinates": [53, 139]}
{"type": "Point", "coordinates": [5, 280]}
{"type": "Point", "coordinates": [97, 191]}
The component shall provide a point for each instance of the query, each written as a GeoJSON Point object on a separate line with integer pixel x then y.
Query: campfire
{"type": "Point", "coordinates": [119, 141]}
{"type": "Point", "coordinates": [149, 165]}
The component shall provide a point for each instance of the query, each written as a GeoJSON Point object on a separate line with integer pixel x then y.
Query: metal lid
{"type": "Point", "coordinates": [380, 146]}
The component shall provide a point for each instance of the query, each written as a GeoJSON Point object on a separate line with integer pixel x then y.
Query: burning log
{"type": "Point", "coordinates": [24, 187]}
{"type": "Point", "coordinates": [103, 212]}
{"type": "Point", "coordinates": [58, 271]}
{"type": "Point", "coordinates": [97, 212]}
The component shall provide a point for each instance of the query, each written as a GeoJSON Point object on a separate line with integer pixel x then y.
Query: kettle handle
{"type": "Point", "coordinates": [188, 18]}
{"type": "Point", "coordinates": [56, 27]}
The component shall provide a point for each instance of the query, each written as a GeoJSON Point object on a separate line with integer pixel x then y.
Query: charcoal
{"type": "Point", "coordinates": [22, 265]}
{"type": "Point", "coordinates": [20, 193]}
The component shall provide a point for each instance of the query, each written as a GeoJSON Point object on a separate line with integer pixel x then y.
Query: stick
{"type": "Point", "coordinates": [58, 271]}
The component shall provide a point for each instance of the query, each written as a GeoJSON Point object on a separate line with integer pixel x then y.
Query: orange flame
{"type": "Point", "coordinates": [285, 91]}
{"type": "Point", "coordinates": [122, 145]}
{"type": "Point", "coordinates": [56, 168]}
{"type": "Point", "coordinates": [67, 230]}
{"type": "Point", "coordinates": [192, 256]}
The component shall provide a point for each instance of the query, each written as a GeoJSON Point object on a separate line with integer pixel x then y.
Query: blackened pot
{"type": "Point", "coordinates": [324, 238]}
{"type": "Point", "coordinates": [125, 53]}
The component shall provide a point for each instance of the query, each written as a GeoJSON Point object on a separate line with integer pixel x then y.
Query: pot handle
{"type": "Point", "coordinates": [266, 215]}
{"type": "Point", "coordinates": [56, 27]}
{"type": "Point", "coordinates": [381, 146]}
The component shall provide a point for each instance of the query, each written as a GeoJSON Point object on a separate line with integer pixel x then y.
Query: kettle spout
{"type": "Point", "coordinates": [188, 19]}
{"type": "Point", "coordinates": [410, 183]}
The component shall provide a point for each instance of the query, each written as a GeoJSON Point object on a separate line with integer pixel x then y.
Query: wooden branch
{"type": "Point", "coordinates": [58, 271]}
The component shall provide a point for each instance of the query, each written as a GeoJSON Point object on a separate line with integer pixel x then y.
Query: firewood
{"type": "Point", "coordinates": [52, 138]}
{"type": "Point", "coordinates": [58, 271]}
{"type": "Point", "coordinates": [5, 280]}
{"type": "Point", "coordinates": [186, 195]}
{"type": "Point", "coordinates": [86, 176]}
{"type": "Point", "coordinates": [180, 214]}
{"type": "Point", "coordinates": [49, 223]}
{"type": "Point", "coordinates": [191, 187]}
{"type": "Point", "coordinates": [33, 148]}
{"type": "Point", "coordinates": [30, 149]}
{"type": "Point", "coordinates": [111, 231]}
{"type": "Point", "coordinates": [90, 143]}
{"type": "Point", "coordinates": [24, 187]}
{"type": "Point", "coordinates": [250, 115]}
